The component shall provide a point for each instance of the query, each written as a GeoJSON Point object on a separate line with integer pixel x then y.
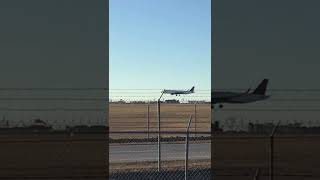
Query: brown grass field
{"type": "Point", "coordinates": [174, 117]}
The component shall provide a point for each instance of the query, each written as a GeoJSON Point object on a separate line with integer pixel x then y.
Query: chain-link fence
{"type": "Point", "coordinates": [289, 156]}
{"type": "Point", "coordinates": [53, 133]}
{"type": "Point", "coordinates": [135, 151]}
{"type": "Point", "coordinates": [132, 159]}
{"type": "Point", "coordinates": [171, 174]}
{"type": "Point", "coordinates": [243, 145]}
{"type": "Point", "coordinates": [58, 130]}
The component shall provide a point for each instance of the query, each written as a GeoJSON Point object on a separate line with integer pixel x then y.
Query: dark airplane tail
{"type": "Point", "coordinates": [261, 89]}
{"type": "Point", "coordinates": [192, 89]}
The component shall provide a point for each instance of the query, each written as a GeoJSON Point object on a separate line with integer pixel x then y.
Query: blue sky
{"type": "Point", "coordinates": [157, 44]}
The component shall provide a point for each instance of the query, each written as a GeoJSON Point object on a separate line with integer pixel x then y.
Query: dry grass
{"type": "Point", "coordinates": [169, 165]}
{"type": "Point", "coordinates": [174, 117]}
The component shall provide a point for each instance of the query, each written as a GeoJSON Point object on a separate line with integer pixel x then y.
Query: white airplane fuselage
{"type": "Point", "coordinates": [178, 92]}
{"type": "Point", "coordinates": [173, 92]}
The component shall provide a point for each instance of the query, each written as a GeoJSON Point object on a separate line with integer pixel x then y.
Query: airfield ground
{"type": "Point", "coordinates": [174, 117]}
{"type": "Point", "coordinates": [239, 157]}
{"type": "Point", "coordinates": [234, 156]}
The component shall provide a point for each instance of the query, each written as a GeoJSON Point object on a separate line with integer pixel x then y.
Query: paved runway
{"type": "Point", "coordinates": [149, 152]}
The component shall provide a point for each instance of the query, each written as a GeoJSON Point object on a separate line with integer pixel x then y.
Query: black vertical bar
{"type": "Point", "coordinates": [148, 120]}
{"type": "Point", "coordinates": [107, 87]}
{"type": "Point", "coordinates": [213, 58]}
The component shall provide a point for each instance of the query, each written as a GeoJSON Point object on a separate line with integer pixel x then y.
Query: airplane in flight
{"type": "Point", "coordinates": [245, 97]}
{"type": "Point", "coordinates": [178, 92]}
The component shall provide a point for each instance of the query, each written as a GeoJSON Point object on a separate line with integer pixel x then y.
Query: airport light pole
{"type": "Point", "coordinates": [159, 135]}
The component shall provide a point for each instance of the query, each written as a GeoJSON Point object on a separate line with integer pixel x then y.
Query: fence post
{"type": "Point", "coordinates": [187, 150]}
{"type": "Point", "coordinates": [159, 138]}
{"type": "Point", "coordinates": [271, 168]}
{"type": "Point", "coordinates": [159, 134]}
{"type": "Point", "coordinates": [148, 120]}
{"type": "Point", "coordinates": [195, 119]}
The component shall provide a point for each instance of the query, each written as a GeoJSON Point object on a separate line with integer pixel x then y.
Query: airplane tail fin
{"type": "Point", "coordinates": [192, 89]}
{"type": "Point", "coordinates": [261, 89]}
